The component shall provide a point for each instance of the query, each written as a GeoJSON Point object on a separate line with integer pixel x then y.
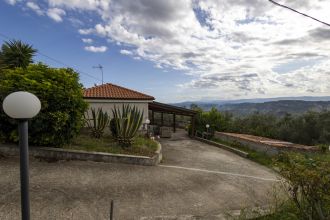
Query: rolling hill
{"type": "Point", "coordinates": [278, 106]}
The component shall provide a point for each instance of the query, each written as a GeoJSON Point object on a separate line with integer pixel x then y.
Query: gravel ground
{"type": "Point", "coordinates": [195, 179]}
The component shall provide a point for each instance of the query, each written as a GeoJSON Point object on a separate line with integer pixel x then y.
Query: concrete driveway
{"type": "Point", "coordinates": [195, 179]}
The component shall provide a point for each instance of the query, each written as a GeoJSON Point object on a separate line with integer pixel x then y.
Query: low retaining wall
{"type": "Point", "coordinates": [259, 146]}
{"type": "Point", "coordinates": [65, 154]}
{"type": "Point", "coordinates": [225, 147]}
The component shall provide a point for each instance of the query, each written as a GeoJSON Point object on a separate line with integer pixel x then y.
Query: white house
{"type": "Point", "coordinates": [108, 95]}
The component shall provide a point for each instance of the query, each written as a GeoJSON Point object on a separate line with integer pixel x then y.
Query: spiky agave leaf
{"type": "Point", "coordinates": [128, 121]}
{"type": "Point", "coordinates": [99, 122]}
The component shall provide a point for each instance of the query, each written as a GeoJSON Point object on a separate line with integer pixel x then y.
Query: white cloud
{"type": "Point", "coordinates": [230, 49]}
{"type": "Point", "coordinates": [75, 22]}
{"type": "Point", "coordinates": [81, 4]}
{"type": "Point", "coordinates": [126, 52]}
{"type": "Point", "coordinates": [86, 31]}
{"type": "Point", "coordinates": [56, 14]}
{"type": "Point", "coordinates": [87, 40]}
{"type": "Point", "coordinates": [94, 49]}
{"type": "Point", "coordinates": [243, 48]}
{"type": "Point", "coordinates": [35, 7]}
{"type": "Point", "coordinates": [12, 2]}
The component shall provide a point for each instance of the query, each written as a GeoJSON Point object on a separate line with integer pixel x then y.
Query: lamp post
{"type": "Point", "coordinates": [207, 128]}
{"type": "Point", "coordinates": [23, 106]}
{"type": "Point", "coordinates": [147, 123]}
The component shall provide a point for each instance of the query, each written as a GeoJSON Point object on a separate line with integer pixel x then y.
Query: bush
{"type": "Point", "coordinates": [60, 93]}
{"type": "Point", "coordinates": [307, 182]}
{"type": "Point", "coordinates": [217, 121]}
{"type": "Point", "coordinates": [310, 128]}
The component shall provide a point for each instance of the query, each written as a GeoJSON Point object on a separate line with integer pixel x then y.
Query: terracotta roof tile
{"type": "Point", "coordinates": [111, 91]}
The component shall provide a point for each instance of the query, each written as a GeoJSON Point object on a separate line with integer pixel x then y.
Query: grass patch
{"type": "Point", "coordinates": [259, 157]}
{"type": "Point", "coordinates": [140, 147]}
{"type": "Point", "coordinates": [263, 158]}
{"type": "Point", "coordinates": [302, 171]}
{"type": "Point", "coordinates": [284, 211]}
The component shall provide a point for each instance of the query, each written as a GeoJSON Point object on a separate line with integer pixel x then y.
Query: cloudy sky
{"type": "Point", "coordinates": [180, 50]}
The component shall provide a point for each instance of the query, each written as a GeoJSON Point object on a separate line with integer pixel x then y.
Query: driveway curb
{"type": "Point", "coordinates": [65, 154]}
{"type": "Point", "coordinates": [225, 147]}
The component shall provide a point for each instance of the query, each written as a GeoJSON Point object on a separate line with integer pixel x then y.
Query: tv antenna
{"type": "Point", "coordinates": [100, 67]}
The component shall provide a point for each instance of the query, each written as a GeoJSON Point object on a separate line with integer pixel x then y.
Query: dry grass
{"type": "Point", "coordinates": [140, 147]}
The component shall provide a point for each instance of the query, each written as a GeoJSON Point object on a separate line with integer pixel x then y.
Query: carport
{"type": "Point", "coordinates": [174, 111]}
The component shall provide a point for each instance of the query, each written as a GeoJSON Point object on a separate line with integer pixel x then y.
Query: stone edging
{"type": "Point", "coordinates": [225, 147]}
{"type": "Point", "coordinates": [65, 154]}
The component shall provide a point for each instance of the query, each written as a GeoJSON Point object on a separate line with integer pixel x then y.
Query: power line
{"type": "Point", "coordinates": [100, 67]}
{"type": "Point", "coordinates": [287, 7]}
{"type": "Point", "coordinates": [4, 36]}
{"type": "Point", "coordinates": [68, 66]}
{"type": "Point", "coordinates": [57, 61]}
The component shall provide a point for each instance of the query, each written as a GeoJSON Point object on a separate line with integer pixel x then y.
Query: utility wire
{"type": "Point", "coordinates": [56, 60]}
{"type": "Point", "coordinates": [287, 7]}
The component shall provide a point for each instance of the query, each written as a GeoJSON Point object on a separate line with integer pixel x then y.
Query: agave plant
{"type": "Point", "coordinates": [97, 122]}
{"type": "Point", "coordinates": [127, 123]}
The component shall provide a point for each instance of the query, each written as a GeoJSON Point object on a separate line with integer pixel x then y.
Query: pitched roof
{"type": "Point", "coordinates": [111, 91]}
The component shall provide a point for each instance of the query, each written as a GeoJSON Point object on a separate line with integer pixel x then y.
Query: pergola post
{"type": "Point", "coordinates": [161, 119]}
{"type": "Point", "coordinates": [174, 110]}
{"type": "Point", "coordinates": [152, 117]}
{"type": "Point", "coordinates": [193, 125]}
{"type": "Point", "coordinates": [174, 126]}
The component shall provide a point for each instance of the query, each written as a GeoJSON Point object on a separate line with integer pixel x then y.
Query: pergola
{"type": "Point", "coordinates": [174, 110]}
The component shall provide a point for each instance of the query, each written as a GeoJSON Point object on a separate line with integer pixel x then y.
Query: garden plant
{"type": "Point", "coordinates": [62, 104]}
{"type": "Point", "coordinates": [98, 122]}
{"type": "Point", "coordinates": [127, 122]}
{"type": "Point", "coordinates": [307, 181]}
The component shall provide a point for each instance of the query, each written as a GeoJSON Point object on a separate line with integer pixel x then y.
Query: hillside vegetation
{"type": "Point", "coordinates": [279, 108]}
{"type": "Point", "coordinates": [311, 128]}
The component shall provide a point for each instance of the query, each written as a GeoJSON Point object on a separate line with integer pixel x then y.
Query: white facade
{"type": "Point", "coordinates": [109, 104]}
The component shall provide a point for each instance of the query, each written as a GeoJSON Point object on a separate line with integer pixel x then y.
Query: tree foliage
{"type": "Point", "coordinates": [15, 53]}
{"type": "Point", "coordinates": [217, 121]}
{"type": "Point", "coordinates": [307, 181]}
{"type": "Point", "coordinates": [311, 128]}
{"type": "Point", "coordinates": [60, 93]}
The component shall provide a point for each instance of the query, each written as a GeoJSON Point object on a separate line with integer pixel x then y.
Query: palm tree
{"type": "Point", "coordinates": [15, 53]}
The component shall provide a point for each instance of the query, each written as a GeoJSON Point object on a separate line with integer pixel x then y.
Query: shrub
{"type": "Point", "coordinates": [60, 93]}
{"type": "Point", "coordinates": [308, 184]}
{"type": "Point", "coordinates": [97, 122]}
{"type": "Point", "coordinates": [324, 148]}
{"type": "Point", "coordinates": [127, 121]}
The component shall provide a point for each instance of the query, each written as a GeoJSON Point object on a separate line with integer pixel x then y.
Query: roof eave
{"type": "Point", "coordinates": [146, 99]}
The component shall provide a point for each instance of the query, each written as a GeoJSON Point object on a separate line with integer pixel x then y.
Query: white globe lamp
{"type": "Point", "coordinates": [23, 106]}
{"type": "Point", "coordinates": [207, 128]}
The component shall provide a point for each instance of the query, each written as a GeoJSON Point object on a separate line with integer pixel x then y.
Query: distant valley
{"type": "Point", "coordinates": [278, 106]}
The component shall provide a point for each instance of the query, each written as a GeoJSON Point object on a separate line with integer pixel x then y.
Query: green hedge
{"type": "Point", "coordinates": [60, 93]}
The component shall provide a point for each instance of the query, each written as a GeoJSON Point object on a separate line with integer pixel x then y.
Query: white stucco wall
{"type": "Point", "coordinates": [108, 105]}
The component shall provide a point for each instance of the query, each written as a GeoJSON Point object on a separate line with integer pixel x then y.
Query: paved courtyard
{"type": "Point", "coordinates": [195, 179]}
